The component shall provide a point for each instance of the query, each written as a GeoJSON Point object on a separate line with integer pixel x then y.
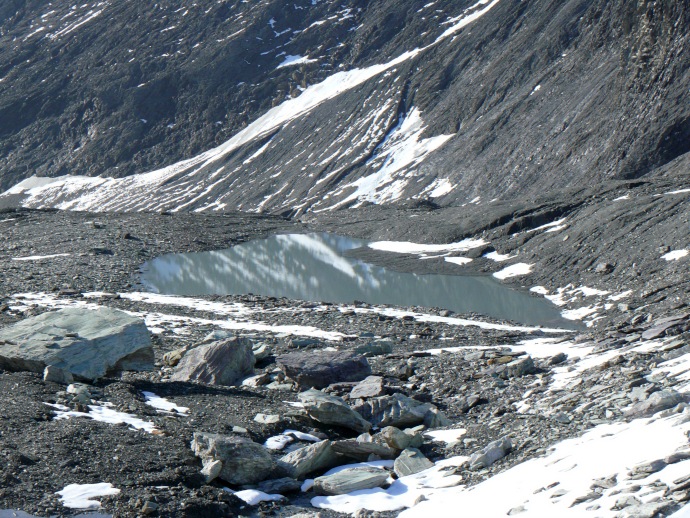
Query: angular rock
{"type": "Point", "coordinates": [399, 440]}
{"type": "Point", "coordinates": [362, 447]}
{"type": "Point", "coordinates": [57, 375]}
{"type": "Point", "coordinates": [267, 418]}
{"type": "Point", "coordinates": [332, 410]}
{"type": "Point", "coordinates": [226, 362]}
{"type": "Point", "coordinates": [375, 348]}
{"type": "Point", "coordinates": [88, 343]}
{"type": "Point", "coordinates": [490, 453]}
{"type": "Point", "coordinates": [349, 480]}
{"type": "Point", "coordinates": [172, 358]}
{"type": "Point", "coordinates": [656, 402]}
{"type": "Point", "coordinates": [513, 369]}
{"type": "Point", "coordinates": [319, 369]}
{"type": "Point", "coordinates": [315, 457]}
{"type": "Point", "coordinates": [396, 410]}
{"type": "Point", "coordinates": [211, 470]}
{"type": "Point", "coordinates": [434, 418]}
{"type": "Point", "coordinates": [244, 461]}
{"type": "Point", "coordinates": [411, 461]}
{"type": "Point", "coordinates": [371, 386]}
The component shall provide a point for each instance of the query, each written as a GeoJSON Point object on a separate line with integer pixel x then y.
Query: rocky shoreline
{"type": "Point", "coordinates": [514, 390]}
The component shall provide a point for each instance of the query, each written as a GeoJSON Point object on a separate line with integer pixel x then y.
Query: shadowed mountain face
{"type": "Point", "coordinates": [321, 105]}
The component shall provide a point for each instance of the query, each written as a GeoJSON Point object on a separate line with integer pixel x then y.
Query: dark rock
{"type": "Point", "coordinates": [280, 485]}
{"type": "Point", "coordinates": [319, 369]}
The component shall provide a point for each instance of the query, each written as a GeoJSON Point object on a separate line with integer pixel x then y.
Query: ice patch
{"type": "Point", "coordinates": [495, 256]}
{"type": "Point", "coordinates": [447, 436]}
{"type": "Point", "coordinates": [675, 255]}
{"type": "Point", "coordinates": [39, 257]}
{"type": "Point", "coordinates": [458, 260]}
{"type": "Point", "coordinates": [78, 496]}
{"type": "Point", "coordinates": [163, 404]}
{"type": "Point", "coordinates": [290, 61]}
{"type": "Point", "coordinates": [514, 270]}
{"type": "Point", "coordinates": [105, 414]}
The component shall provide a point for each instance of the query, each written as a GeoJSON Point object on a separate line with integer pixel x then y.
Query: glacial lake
{"type": "Point", "coordinates": [313, 267]}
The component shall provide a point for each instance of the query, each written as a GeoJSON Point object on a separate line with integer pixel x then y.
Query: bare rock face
{"type": "Point", "coordinates": [87, 343]}
{"type": "Point", "coordinates": [226, 362]}
{"type": "Point", "coordinates": [319, 369]}
{"type": "Point", "coordinates": [243, 461]}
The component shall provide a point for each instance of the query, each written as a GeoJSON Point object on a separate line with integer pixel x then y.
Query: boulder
{"type": "Point", "coordinates": [371, 386]}
{"type": "Point", "coordinates": [399, 440]}
{"type": "Point", "coordinates": [319, 369]}
{"type": "Point", "coordinates": [411, 461]}
{"type": "Point", "coordinates": [280, 485]}
{"type": "Point", "coordinates": [513, 369]}
{"type": "Point", "coordinates": [332, 410]}
{"type": "Point", "coordinates": [88, 343]}
{"type": "Point", "coordinates": [315, 457]}
{"type": "Point", "coordinates": [363, 446]}
{"type": "Point", "coordinates": [226, 362]}
{"type": "Point", "coordinates": [243, 461]}
{"type": "Point", "coordinates": [349, 480]}
{"type": "Point", "coordinates": [492, 452]}
{"type": "Point", "coordinates": [396, 410]}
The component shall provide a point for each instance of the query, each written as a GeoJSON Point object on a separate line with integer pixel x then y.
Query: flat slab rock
{"type": "Point", "coordinates": [319, 369]}
{"type": "Point", "coordinates": [349, 480]}
{"type": "Point", "coordinates": [87, 343]}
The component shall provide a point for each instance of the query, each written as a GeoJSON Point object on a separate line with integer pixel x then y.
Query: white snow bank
{"type": "Point", "coordinates": [254, 496]}
{"type": "Point", "coordinates": [495, 256]}
{"type": "Point", "coordinates": [406, 247]}
{"type": "Point", "coordinates": [514, 270]}
{"type": "Point", "coordinates": [78, 496]}
{"type": "Point", "coordinates": [105, 414]}
{"type": "Point", "coordinates": [163, 404]}
{"type": "Point", "coordinates": [569, 470]}
{"type": "Point", "coordinates": [290, 61]}
{"type": "Point", "coordinates": [447, 436]}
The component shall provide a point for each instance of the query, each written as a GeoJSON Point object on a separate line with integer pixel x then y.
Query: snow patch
{"type": "Point", "coordinates": [78, 496]}
{"type": "Point", "coordinates": [514, 270]}
{"type": "Point", "coordinates": [163, 404]}
{"type": "Point", "coordinates": [675, 255]}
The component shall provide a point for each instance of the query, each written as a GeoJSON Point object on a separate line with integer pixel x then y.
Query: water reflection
{"type": "Point", "coordinates": [312, 267]}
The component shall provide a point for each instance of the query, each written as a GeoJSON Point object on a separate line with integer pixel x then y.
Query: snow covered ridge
{"type": "Point", "coordinates": [201, 183]}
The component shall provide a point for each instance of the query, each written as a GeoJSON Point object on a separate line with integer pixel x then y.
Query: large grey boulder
{"type": "Point", "coordinates": [396, 410]}
{"type": "Point", "coordinates": [226, 362]}
{"type": "Point", "coordinates": [371, 386]}
{"type": "Point", "coordinates": [319, 369]}
{"type": "Point", "coordinates": [315, 457]}
{"type": "Point", "coordinates": [332, 410]}
{"type": "Point", "coordinates": [349, 480]}
{"type": "Point", "coordinates": [88, 343]}
{"type": "Point", "coordinates": [243, 461]}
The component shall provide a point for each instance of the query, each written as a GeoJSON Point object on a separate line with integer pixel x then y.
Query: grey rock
{"type": "Point", "coordinates": [396, 410]}
{"type": "Point", "coordinates": [375, 348]}
{"type": "Point", "coordinates": [349, 480]}
{"type": "Point", "coordinates": [434, 418]}
{"type": "Point", "coordinates": [371, 386]}
{"type": "Point", "coordinates": [267, 418]}
{"type": "Point", "coordinates": [257, 381]}
{"type": "Point", "coordinates": [315, 457]}
{"type": "Point", "coordinates": [557, 359]}
{"type": "Point", "coordinates": [603, 268]}
{"type": "Point", "coordinates": [656, 402]}
{"type": "Point", "coordinates": [85, 342]}
{"type": "Point", "coordinates": [363, 447]}
{"type": "Point", "coordinates": [226, 362]}
{"type": "Point", "coordinates": [261, 351]}
{"type": "Point", "coordinates": [319, 369]}
{"type": "Point", "coordinates": [648, 510]}
{"type": "Point", "coordinates": [399, 440]}
{"type": "Point", "coordinates": [661, 326]}
{"type": "Point", "coordinates": [280, 486]}
{"type": "Point", "coordinates": [513, 369]}
{"type": "Point", "coordinates": [172, 358]}
{"type": "Point", "coordinates": [149, 507]}
{"type": "Point", "coordinates": [211, 470]}
{"type": "Point", "coordinates": [332, 410]}
{"type": "Point", "coordinates": [411, 461]}
{"type": "Point", "coordinates": [244, 461]}
{"type": "Point", "coordinates": [57, 375]}
{"type": "Point", "coordinates": [492, 452]}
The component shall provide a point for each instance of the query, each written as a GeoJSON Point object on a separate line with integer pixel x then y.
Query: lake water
{"type": "Point", "coordinates": [313, 267]}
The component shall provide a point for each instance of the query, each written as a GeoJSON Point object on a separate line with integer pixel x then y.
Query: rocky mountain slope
{"type": "Point", "coordinates": [327, 105]}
